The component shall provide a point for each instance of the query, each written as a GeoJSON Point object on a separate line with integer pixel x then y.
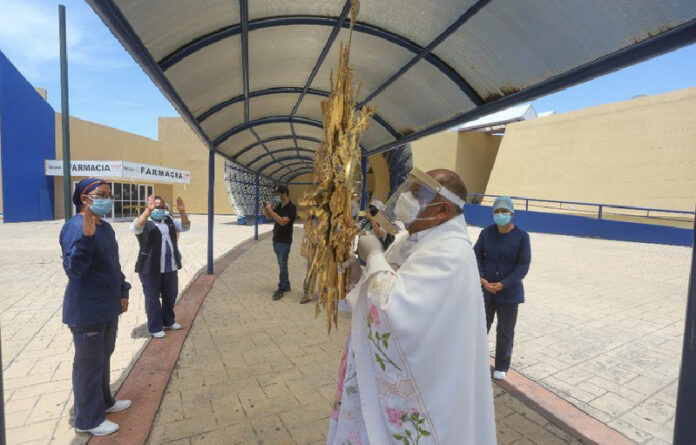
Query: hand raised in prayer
{"type": "Point", "coordinates": [89, 222]}
{"type": "Point", "coordinates": [180, 205]}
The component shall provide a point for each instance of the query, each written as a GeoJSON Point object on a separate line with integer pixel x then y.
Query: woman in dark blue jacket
{"type": "Point", "coordinates": [503, 253]}
{"type": "Point", "coordinates": [97, 293]}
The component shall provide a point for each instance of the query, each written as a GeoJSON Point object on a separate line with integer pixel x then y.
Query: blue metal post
{"type": "Point", "coordinates": [211, 207]}
{"type": "Point", "coordinates": [599, 213]}
{"type": "Point", "coordinates": [363, 198]}
{"type": "Point", "coordinates": [684, 425]}
{"type": "Point", "coordinates": [256, 207]}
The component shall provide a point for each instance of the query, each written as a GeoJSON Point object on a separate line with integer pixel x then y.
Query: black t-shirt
{"type": "Point", "coordinates": [283, 234]}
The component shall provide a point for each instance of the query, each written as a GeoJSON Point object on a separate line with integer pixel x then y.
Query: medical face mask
{"type": "Point", "coordinates": [502, 219]}
{"type": "Point", "coordinates": [101, 207]}
{"type": "Point", "coordinates": [276, 199]}
{"type": "Point", "coordinates": [159, 214]}
{"type": "Point", "coordinates": [407, 209]}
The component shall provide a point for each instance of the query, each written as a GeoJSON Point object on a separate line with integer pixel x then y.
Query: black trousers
{"type": "Point", "coordinates": [505, 332]}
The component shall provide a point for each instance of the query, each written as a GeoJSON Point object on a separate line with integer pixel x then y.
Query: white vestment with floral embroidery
{"type": "Point", "coordinates": [415, 369]}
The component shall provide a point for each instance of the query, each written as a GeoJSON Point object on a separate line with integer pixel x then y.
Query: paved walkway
{"type": "Point", "coordinates": [257, 371]}
{"type": "Point", "coordinates": [37, 350]}
{"type": "Point", "coordinates": [602, 327]}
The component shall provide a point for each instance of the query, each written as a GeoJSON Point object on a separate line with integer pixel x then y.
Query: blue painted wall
{"type": "Point", "coordinates": [27, 138]}
{"type": "Point", "coordinates": [478, 215]}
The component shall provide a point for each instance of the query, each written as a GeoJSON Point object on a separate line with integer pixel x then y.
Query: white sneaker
{"type": "Point", "coordinates": [103, 429]}
{"type": "Point", "coordinates": [499, 375]}
{"type": "Point", "coordinates": [159, 334]}
{"type": "Point", "coordinates": [120, 405]}
{"type": "Point", "coordinates": [174, 327]}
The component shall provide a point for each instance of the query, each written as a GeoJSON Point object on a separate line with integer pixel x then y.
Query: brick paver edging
{"type": "Point", "coordinates": [149, 376]}
{"type": "Point", "coordinates": [560, 412]}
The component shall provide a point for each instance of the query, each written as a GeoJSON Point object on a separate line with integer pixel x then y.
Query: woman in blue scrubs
{"type": "Point", "coordinates": [97, 293]}
{"type": "Point", "coordinates": [503, 253]}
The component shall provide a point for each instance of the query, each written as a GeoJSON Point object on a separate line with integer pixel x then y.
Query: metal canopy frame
{"type": "Point", "coordinates": [113, 17]}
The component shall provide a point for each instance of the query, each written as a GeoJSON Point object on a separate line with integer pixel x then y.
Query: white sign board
{"type": "Point", "coordinates": [155, 173]}
{"type": "Point", "coordinates": [86, 168]}
{"type": "Point", "coordinates": [119, 169]}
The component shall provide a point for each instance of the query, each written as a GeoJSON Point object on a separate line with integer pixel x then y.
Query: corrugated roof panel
{"type": "Point", "coordinates": [269, 130]}
{"type": "Point", "coordinates": [248, 156]}
{"type": "Point", "coordinates": [275, 8]}
{"type": "Point", "coordinates": [504, 48]}
{"type": "Point", "coordinates": [416, 20]}
{"type": "Point", "coordinates": [223, 120]}
{"type": "Point", "coordinates": [165, 25]}
{"type": "Point", "coordinates": [423, 94]}
{"type": "Point", "coordinates": [272, 105]}
{"type": "Point", "coordinates": [209, 76]}
{"type": "Point", "coordinates": [373, 59]}
{"type": "Point", "coordinates": [237, 142]}
{"type": "Point", "coordinates": [311, 106]}
{"type": "Point", "coordinates": [291, 50]}
{"type": "Point", "coordinates": [375, 136]}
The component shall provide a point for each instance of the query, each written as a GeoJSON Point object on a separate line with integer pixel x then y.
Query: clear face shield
{"type": "Point", "coordinates": [410, 199]}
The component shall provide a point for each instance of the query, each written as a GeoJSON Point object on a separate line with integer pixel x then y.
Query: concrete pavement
{"type": "Point", "coordinates": [37, 350]}
{"type": "Point", "coordinates": [602, 326]}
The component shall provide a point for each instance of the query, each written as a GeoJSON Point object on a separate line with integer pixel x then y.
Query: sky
{"type": "Point", "coordinates": [108, 87]}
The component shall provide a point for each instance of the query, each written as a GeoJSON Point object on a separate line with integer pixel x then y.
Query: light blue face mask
{"type": "Point", "coordinates": [158, 214]}
{"type": "Point", "coordinates": [502, 219]}
{"type": "Point", "coordinates": [102, 207]}
{"type": "Point", "coordinates": [276, 199]}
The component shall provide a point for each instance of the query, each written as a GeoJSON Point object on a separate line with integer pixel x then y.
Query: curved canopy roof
{"type": "Point", "coordinates": [249, 75]}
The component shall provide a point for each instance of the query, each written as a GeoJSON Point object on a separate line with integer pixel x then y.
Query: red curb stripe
{"type": "Point", "coordinates": [149, 376]}
{"type": "Point", "coordinates": [560, 412]}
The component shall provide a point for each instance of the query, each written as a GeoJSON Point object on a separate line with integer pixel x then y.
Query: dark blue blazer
{"type": "Point", "coordinates": [504, 258]}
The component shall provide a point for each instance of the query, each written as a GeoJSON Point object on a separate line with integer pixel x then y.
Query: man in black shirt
{"type": "Point", "coordinates": [283, 213]}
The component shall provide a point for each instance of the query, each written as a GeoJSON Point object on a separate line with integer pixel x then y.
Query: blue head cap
{"type": "Point", "coordinates": [84, 187]}
{"type": "Point", "coordinates": [503, 202]}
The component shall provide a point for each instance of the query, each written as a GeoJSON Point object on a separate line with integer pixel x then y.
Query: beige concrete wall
{"type": "Point", "coordinates": [476, 153]}
{"type": "Point", "coordinates": [181, 148]}
{"type": "Point", "coordinates": [89, 141]}
{"type": "Point", "coordinates": [641, 152]}
{"type": "Point", "coordinates": [471, 155]}
{"type": "Point", "coordinates": [436, 151]}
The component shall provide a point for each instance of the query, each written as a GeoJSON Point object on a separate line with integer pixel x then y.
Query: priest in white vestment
{"type": "Point", "coordinates": [415, 369]}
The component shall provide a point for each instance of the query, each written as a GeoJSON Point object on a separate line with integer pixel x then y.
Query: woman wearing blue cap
{"type": "Point", "coordinates": [97, 293]}
{"type": "Point", "coordinates": [503, 253]}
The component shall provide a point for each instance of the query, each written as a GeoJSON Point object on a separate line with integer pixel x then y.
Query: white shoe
{"type": "Point", "coordinates": [159, 334]}
{"type": "Point", "coordinates": [499, 375]}
{"type": "Point", "coordinates": [120, 405]}
{"type": "Point", "coordinates": [103, 429]}
{"type": "Point", "coordinates": [174, 327]}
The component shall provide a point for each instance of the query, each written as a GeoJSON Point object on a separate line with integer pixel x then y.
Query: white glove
{"type": "Point", "coordinates": [368, 245]}
{"type": "Point", "coordinates": [342, 267]}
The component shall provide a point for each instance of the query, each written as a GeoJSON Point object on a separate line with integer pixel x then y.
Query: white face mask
{"type": "Point", "coordinates": [407, 209]}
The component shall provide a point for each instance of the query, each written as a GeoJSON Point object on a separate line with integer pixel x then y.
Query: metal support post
{"type": "Point", "coordinates": [211, 207]}
{"type": "Point", "coordinates": [684, 425]}
{"type": "Point", "coordinates": [363, 198]}
{"type": "Point", "coordinates": [64, 113]}
{"type": "Point", "coordinates": [256, 208]}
